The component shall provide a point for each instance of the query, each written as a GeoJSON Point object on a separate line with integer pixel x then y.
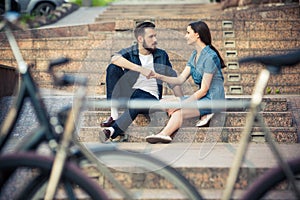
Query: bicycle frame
{"type": "Point", "coordinates": [46, 131]}
{"type": "Point", "coordinates": [26, 89]}
{"type": "Point", "coordinates": [69, 138]}
{"type": "Point", "coordinates": [256, 100]}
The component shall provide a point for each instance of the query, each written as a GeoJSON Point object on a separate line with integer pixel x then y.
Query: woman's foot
{"type": "Point", "coordinates": [204, 120]}
{"type": "Point", "coordinates": [152, 139]}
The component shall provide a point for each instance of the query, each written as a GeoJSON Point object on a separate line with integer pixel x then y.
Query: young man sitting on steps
{"type": "Point", "coordinates": [128, 76]}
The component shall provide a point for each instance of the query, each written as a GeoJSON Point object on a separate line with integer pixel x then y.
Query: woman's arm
{"type": "Point", "coordinates": [205, 84]}
{"type": "Point", "coordinates": [179, 80]}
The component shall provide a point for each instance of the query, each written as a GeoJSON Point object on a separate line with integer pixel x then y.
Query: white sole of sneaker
{"type": "Point", "coordinates": [153, 139]}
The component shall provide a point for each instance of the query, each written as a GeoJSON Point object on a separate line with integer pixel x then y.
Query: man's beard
{"type": "Point", "coordinates": [151, 50]}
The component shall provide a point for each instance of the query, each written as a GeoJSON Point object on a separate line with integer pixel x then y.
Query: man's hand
{"type": "Point", "coordinates": [146, 72]}
{"type": "Point", "coordinates": [155, 75]}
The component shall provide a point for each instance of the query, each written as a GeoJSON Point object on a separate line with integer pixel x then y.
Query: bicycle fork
{"type": "Point", "coordinates": [62, 150]}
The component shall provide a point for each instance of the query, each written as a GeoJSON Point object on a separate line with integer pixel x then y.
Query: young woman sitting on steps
{"type": "Point", "coordinates": [205, 66]}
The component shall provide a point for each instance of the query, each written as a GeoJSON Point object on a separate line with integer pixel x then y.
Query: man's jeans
{"type": "Point", "coordinates": [122, 123]}
{"type": "Point", "coordinates": [117, 85]}
{"type": "Point", "coordinates": [116, 88]}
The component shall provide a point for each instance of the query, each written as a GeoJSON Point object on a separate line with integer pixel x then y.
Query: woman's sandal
{"type": "Point", "coordinates": [203, 122]}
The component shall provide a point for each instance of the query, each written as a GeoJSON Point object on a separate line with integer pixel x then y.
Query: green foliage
{"type": "Point", "coordinates": [101, 2]}
{"type": "Point", "coordinates": [268, 90]}
{"type": "Point", "coordinates": [78, 2]}
{"type": "Point", "coordinates": [94, 2]}
{"type": "Point", "coordinates": [25, 18]}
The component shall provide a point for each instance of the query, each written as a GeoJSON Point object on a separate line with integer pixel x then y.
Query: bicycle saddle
{"type": "Point", "coordinates": [275, 62]}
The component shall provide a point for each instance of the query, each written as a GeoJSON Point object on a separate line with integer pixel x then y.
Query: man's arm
{"type": "Point", "coordinates": [120, 61]}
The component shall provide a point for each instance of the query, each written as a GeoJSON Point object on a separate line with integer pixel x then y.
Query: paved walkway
{"type": "Point", "coordinates": [87, 15]}
{"type": "Point", "coordinates": [125, 2]}
{"type": "Point", "coordinates": [84, 15]}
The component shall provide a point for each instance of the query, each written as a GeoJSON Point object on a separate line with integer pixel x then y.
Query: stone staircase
{"type": "Point", "coordinates": [224, 127]}
{"type": "Point", "coordinates": [236, 33]}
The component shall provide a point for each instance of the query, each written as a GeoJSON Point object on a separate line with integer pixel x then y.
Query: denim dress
{"type": "Point", "coordinates": [208, 62]}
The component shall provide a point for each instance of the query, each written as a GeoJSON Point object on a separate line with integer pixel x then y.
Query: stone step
{"type": "Point", "coordinates": [277, 112]}
{"type": "Point", "coordinates": [286, 135]}
{"type": "Point", "coordinates": [164, 9]}
{"type": "Point", "coordinates": [206, 165]}
{"type": "Point", "coordinates": [243, 26]}
{"type": "Point", "coordinates": [178, 47]}
{"type": "Point", "coordinates": [254, 29]}
{"type": "Point", "coordinates": [269, 103]}
{"type": "Point", "coordinates": [243, 36]}
{"type": "Point", "coordinates": [272, 89]}
{"type": "Point", "coordinates": [209, 194]}
{"type": "Point", "coordinates": [97, 87]}
{"type": "Point", "coordinates": [250, 78]}
{"type": "Point", "coordinates": [228, 119]}
{"type": "Point", "coordinates": [90, 64]}
{"type": "Point", "coordinates": [255, 68]}
{"type": "Point", "coordinates": [149, 6]}
{"type": "Point", "coordinates": [96, 74]}
{"type": "Point", "coordinates": [232, 84]}
{"type": "Point", "coordinates": [89, 61]}
{"type": "Point", "coordinates": [241, 29]}
{"type": "Point", "coordinates": [150, 11]}
{"type": "Point", "coordinates": [228, 23]}
{"type": "Point", "coordinates": [271, 11]}
{"type": "Point", "coordinates": [75, 50]}
{"type": "Point", "coordinates": [172, 194]}
{"type": "Point", "coordinates": [265, 12]}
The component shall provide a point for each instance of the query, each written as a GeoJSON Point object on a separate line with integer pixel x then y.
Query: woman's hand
{"type": "Point", "coordinates": [154, 75]}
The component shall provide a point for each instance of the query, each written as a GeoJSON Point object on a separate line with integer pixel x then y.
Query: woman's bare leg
{"type": "Point", "coordinates": [176, 120]}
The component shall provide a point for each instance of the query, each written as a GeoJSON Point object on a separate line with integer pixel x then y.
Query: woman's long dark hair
{"type": "Point", "coordinates": [202, 29]}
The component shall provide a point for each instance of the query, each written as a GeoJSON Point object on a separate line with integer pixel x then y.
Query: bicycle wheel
{"type": "Point", "coordinates": [269, 180]}
{"type": "Point", "coordinates": [145, 175]}
{"type": "Point", "coordinates": [73, 182]}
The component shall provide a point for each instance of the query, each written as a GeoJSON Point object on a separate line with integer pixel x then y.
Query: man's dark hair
{"type": "Point", "coordinates": [140, 28]}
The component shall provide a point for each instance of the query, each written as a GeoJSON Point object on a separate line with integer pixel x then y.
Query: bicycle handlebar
{"type": "Point", "coordinates": [275, 62]}
{"type": "Point", "coordinates": [65, 79]}
{"type": "Point", "coordinates": [57, 62]}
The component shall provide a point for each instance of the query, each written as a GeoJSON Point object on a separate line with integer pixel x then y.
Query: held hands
{"type": "Point", "coordinates": [148, 73]}
{"type": "Point", "coordinates": [154, 75]}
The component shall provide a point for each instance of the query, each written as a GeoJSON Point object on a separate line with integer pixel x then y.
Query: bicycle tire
{"type": "Point", "coordinates": [71, 174]}
{"type": "Point", "coordinates": [150, 165]}
{"type": "Point", "coordinates": [269, 180]}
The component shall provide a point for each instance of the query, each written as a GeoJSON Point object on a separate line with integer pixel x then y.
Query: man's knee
{"type": "Point", "coordinates": [113, 70]}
